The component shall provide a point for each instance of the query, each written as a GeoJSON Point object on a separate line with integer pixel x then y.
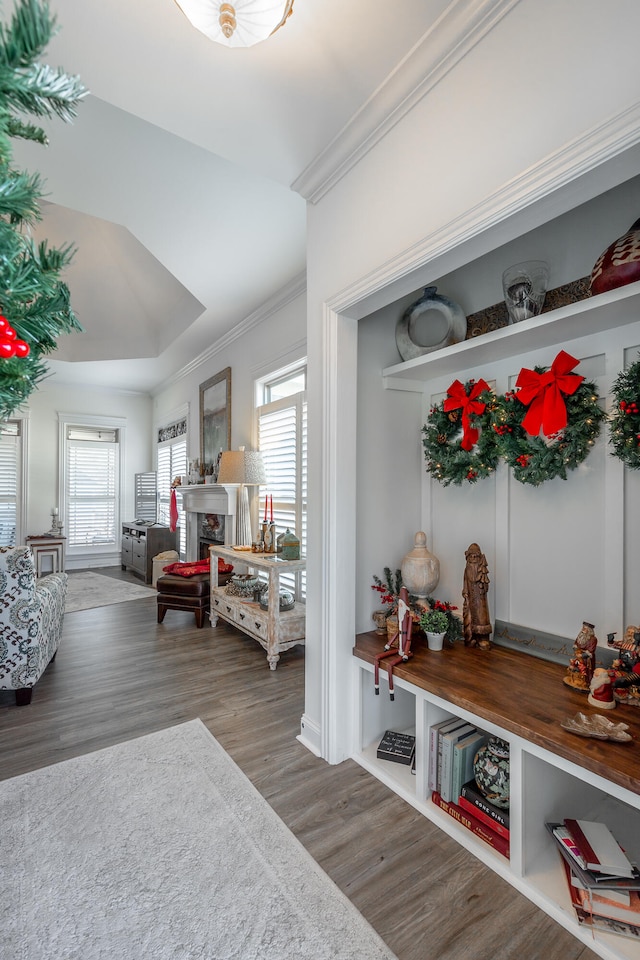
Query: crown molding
{"type": "Point", "coordinates": [459, 28]}
{"type": "Point", "coordinates": [580, 156]}
{"type": "Point", "coordinates": [291, 291]}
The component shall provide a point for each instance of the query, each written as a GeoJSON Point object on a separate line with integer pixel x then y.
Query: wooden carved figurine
{"type": "Point", "coordinates": [583, 661]}
{"type": "Point", "coordinates": [475, 610]}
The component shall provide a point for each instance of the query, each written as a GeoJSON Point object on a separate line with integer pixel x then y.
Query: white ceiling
{"type": "Point", "coordinates": [175, 179]}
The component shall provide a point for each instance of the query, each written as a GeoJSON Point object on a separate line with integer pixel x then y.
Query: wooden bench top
{"type": "Point", "coordinates": [521, 694]}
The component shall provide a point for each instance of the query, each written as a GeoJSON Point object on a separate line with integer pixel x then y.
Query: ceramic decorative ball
{"type": "Point", "coordinates": [619, 264]}
{"type": "Point", "coordinates": [491, 770]}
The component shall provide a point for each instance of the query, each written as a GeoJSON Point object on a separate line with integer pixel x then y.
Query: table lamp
{"type": "Point", "coordinates": [245, 468]}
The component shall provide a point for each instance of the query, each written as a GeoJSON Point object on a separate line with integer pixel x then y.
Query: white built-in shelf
{"type": "Point", "coordinates": [616, 308]}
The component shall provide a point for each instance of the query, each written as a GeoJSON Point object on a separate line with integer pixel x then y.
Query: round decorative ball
{"type": "Point", "coordinates": [619, 264]}
{"type": "Point", "coordinates": [491, 770]}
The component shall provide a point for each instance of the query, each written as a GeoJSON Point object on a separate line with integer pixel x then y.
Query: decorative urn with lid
{"type": "Point", "coordinates": [420, 569]}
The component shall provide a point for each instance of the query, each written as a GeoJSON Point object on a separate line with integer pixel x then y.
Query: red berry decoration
{"type": "Point", "coordinates": [22, 348]}
{"type": "Point", "coordinates": [7, 349]}
{"type": "Point", "coordinates": [9, 333]}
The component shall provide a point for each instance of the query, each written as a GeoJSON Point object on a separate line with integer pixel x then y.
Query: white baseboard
{"type": "Point", "coordinates": [309, 735]}
{"type": "Point", "coordinates": [90, 562]}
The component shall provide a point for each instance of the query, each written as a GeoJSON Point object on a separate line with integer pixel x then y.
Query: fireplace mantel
{"type": "Point", "coordinates": [204, 498]}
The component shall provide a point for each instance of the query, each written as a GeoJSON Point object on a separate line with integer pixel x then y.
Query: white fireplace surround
{"type": "Point", "coordinates": [204, 498]}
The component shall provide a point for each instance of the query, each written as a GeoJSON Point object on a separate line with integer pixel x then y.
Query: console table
{"type": "Point", "coordinates": [275, 630]}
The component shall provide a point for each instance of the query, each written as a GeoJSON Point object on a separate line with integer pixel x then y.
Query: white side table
{"type": "Point", "coordinates": [47, 551]}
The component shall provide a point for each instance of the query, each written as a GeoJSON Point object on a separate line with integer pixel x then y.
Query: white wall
{"type": "Point", "coordinates": [537, 105]}
{"type": "Point", "coordinates": [279, 339]}
{"type": "Point", "coordinates": [44, 406]}
{"type": "Point", "coordinates": [271, 341]}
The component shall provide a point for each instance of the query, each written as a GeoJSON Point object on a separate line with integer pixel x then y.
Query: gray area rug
{"type": "Point", "coordinates": [162, 849]}
{"type": "Point", "coordinates": [86, 590]}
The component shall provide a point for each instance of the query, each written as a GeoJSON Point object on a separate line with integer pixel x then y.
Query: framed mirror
{"type": "Point", "coordinates": [215, 416]}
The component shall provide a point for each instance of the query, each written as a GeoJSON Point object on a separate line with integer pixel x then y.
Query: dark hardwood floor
{"type": "Point", "coordinates": [119, 675]}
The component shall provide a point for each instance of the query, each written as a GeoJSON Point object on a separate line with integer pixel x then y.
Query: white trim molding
{"type": "Point", "coordinates": [527, 194]}
{"type": "Point", "coordinates": [285, 295]}
{"type": "Point", "coordinates": [89, 420]}
{"type": "Point", "coordinates": [457, 31]}
{"type": "Point", "coordinates": [309, 735]}
{"type": "Point", "coordinates": [520, 205]}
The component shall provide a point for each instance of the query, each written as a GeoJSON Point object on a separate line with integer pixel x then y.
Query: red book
{"type": "Point", "coordinates": [479, 829]}
{"type": "Point", "coordinates": [483, 817]}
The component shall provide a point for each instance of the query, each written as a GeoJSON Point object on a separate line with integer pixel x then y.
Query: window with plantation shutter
{"type": "Point", "coordinates": [171, 462]}
{"type": "Point", "coordinates": [9, 475]}
{"type": "Point", "coordinates": [92, 474]}
{"type": "Point", "coordinates": [282, 441]}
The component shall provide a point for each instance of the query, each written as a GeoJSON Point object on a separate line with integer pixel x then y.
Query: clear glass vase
{"type": "Point", "coordinates": [525, 287]}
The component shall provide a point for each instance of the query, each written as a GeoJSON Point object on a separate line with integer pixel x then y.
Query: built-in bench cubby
{"type": "Point", "coordinates": [554, 774]}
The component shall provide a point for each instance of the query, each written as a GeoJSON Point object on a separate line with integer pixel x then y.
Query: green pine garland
{"type": "Point", "coordinates": [624, 423]}
{"type": "Point", "coordinates": [536, 459]}
{"type": "Point", "coordinates": [33, 297]}
{"type": "Point", "coordinates": [444, 456]}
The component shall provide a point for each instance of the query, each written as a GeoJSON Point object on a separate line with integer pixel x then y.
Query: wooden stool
{"type": "Point", "coordinates": [184, 593]}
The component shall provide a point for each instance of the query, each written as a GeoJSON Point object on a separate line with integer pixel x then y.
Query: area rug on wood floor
{"type": "Point", "coordinates": [162, 849]}
{"type": "Point", "coordinates": [87, 590]}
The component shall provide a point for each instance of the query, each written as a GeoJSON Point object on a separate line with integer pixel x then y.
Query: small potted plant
{"type": "Point", "coordinates": [389, 590]}
{"type": "Point", "coordinates": [435, 624]}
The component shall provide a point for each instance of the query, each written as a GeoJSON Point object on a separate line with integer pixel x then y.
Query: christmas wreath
{"type": "Point", "coordinates": [549, 424]}
{"type": "Point", "coordinates": [459, 444]}
{"type": "Point", "coordinates": [624, 424]}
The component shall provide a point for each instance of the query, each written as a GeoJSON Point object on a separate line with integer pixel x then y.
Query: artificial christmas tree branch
{"type": "Point", "coordinates": [34, 300]}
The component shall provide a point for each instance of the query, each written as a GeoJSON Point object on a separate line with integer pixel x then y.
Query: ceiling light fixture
{"type": "Point", "coordinates": [238, 24]}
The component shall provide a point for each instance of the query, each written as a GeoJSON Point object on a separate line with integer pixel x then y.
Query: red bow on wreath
{"type": "Point", "coordinates": [542, 393]}
{"type": "Point", "coordinates": [457, 398]}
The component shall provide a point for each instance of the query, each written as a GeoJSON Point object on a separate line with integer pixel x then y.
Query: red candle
{"type": "Point", "coordinates": [271, 502]}
{"type": "Point", "coordinates": [266, 499]}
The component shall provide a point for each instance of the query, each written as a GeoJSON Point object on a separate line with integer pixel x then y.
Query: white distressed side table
{"type": "Point", "coordinates": [46, 548]}
{"type": "Point", "coordinates": [275, 630]}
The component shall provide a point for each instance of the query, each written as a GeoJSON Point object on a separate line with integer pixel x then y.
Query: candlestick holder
{"type": "Point", "coordinates": [56, 525]}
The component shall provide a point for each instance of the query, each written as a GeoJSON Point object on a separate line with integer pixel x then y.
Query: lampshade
{"type": "Point", "coordinates": [238, 24]}
{"type": "Point", "coordinates": [241, 466]}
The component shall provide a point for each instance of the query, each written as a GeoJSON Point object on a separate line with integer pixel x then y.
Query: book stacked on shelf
{"type": "Point", "coordinates": [604, 886]}
{"type": "Point", "coordinates": [474, 801]}
{"type": "Point", "coordinates": [453, 745]}
{"type": "Point", "coordinates": [397, 747]}
{"type": "Point", "coordinates": [479, 829]}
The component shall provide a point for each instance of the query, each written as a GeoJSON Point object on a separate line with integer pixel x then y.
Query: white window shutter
{"type": "Point", "coordinates": [9, 464]}
{"type": "Point", "coordinates": [92, 472]}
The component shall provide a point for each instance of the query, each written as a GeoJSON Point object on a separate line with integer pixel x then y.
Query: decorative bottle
{"type": "Point", "coordinates": [267, 537]}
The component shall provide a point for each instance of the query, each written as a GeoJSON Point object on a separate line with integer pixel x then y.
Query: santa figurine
{"type": "Point", "coordinates": [601, 690]}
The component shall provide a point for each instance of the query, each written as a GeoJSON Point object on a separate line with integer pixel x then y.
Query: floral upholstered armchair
{"type": "Point", "coordinates": [31, 615]}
